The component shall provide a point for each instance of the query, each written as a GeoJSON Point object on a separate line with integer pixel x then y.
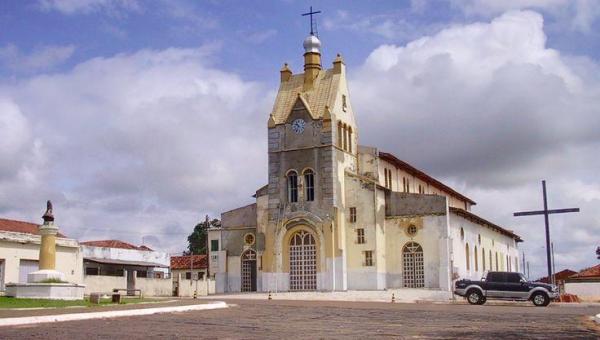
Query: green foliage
{"type": "Point", "coordinates": [52, 281]}
{"type": "Point", "coordinates": [198, 239]}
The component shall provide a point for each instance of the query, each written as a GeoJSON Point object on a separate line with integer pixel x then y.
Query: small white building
{"type": "Point", "coordinates": [20, 250]}
{"type": "Point", "coordinates": [114, 264]}
{"type": "Point", "coordinates": [585, 284]}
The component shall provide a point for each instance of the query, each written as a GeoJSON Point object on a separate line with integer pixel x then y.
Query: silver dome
{"type": "Point", "coordinates": [312, 44]}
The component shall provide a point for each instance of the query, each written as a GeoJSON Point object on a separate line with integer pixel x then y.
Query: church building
{"type": "Point", "coordinates": [336, 215]}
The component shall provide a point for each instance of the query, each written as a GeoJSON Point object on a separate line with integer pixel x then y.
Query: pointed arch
{"type": "Point", "coordinates": [467, 256]}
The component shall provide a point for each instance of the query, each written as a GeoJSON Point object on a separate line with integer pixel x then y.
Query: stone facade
{"type": "Point", "coordinates": [365, 220]}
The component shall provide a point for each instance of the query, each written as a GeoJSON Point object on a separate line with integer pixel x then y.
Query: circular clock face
{"type": "Point", "coordinates": [298, 125]}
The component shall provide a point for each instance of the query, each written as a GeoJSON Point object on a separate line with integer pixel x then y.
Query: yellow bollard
{"type": "Point", "coordinates": [393, 298]}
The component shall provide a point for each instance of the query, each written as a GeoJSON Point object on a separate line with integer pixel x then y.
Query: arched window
{"type": "Point", "coordinates": [491, 263]}
{"type": "Point", "coordinates": [292, 185]}
{"type": "Point", "coordinates": [475, 258]}
{"type": "Point", "coordinates": [462, 234]}
{"type": "Point", "coordinates": [350, 139]}
{"type": "Point", "coordinates": [345, 137]}
{"type": "Point", "coordinates": [340, 137]}
{"type": "Point", "coordinates": [497, 261]}
{"type": "Point", "coordinates": [309, 183]}
{"type": "Point", "coordinates": [508, 263]}
{"type": "Point", "coordinates": [467, 256]}
{"type": "Point", "coordinates": [483, 259]}
{"type": "Point", "coordinates": [412, 266]}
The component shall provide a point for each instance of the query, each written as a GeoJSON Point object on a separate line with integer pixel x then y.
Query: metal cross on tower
{"type": "Point", "coordinates": [547, 212]}
{"type": "Point", "coordinates": [313, 25]}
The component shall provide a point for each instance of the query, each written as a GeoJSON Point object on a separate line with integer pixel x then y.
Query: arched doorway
{"type": "Point", "coordinates": [249, 271]}
{"type": "Point", "coordinates": [303, 261]}
{"type": "Point", "coordinates": [412, 259]}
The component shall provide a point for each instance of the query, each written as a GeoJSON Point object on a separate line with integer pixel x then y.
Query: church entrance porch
{"type": "Point", "coordinates": [303, 262]}
{"type": "Point", "coordinates": [248, 274]}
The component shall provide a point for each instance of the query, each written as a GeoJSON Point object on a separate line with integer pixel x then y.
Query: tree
{"type": "Point", "coordinates": [598, 253]}
{"type": "Point", "coordinates": [197, 241]}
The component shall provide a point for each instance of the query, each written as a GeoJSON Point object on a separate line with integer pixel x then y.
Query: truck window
{"type": "Point", "coordinates": [513, 277]}
{"type": "Point", "coordinates": [495, 277]}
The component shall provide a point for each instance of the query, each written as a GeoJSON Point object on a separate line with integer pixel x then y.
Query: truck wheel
{"type": "Point", "coordinates": [483, 300]}
{"type": "Point", "coordinates": [540, 299]}
{"type": "Point", "coordinates": [475, 297]}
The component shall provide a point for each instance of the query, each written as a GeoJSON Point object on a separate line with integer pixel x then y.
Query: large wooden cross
{"type": "Point", "coordinates": [546, 212]}
{"type": "Point", "coordinates": [311, 13]}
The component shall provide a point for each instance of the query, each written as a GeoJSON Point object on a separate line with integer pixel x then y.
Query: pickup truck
{"type": "Point", "coordinates": [505, 286]}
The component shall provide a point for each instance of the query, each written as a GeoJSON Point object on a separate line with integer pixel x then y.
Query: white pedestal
{"type": "Point", "coordinates": [52, 291]}
{"type": "Point", "coordinates": [45, 275]}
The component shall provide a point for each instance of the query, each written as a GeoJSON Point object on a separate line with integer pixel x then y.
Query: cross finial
{"type": "Point", "coordinates": [312, 25]}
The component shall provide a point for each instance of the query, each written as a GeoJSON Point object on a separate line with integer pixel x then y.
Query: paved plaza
{"type": "Point", "coordinates": [252, 319]}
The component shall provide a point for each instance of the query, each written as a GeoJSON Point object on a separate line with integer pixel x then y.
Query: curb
{"type": "Point", "coordinates": [28, 320]}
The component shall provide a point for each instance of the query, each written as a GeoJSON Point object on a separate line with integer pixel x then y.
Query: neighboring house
{"type": "Point", "coordinates": [560, 278]}
{"type": "Point", "coordinates": [187, 271]}
{"type": "Point", "coordinates": [110, 264]}
{"type": "Point", "coordinates": [20, 248]}
{"type": "Point", "coordinates": [585, 284]}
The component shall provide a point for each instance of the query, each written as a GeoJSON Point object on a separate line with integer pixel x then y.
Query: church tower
{"type": "Point", "coordinates": [312, 139]}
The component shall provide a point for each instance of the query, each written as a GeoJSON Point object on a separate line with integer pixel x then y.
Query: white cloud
{"type": "Point", "coordinates": [580, 14]}
{"type": "Point", "coordinates": [69, 7]}
{"type": "Point", "coordinates": [141, 144]}
{"type": "Point", "coordinates": [40, 59]}
{"type": "Point", "coordinates": [492, 110]}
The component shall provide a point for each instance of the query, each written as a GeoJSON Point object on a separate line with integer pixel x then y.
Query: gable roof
{"type": "Point", "coordinates": [423, 176]}
{"type": "Point", "coordinates": [588, 273]}
{"type": "Point", "coordinates": [561, 275]}
{"type": "Point", "coordinates": [479, 220]}
{"type": "Point", "coordinates": [322, 94]}
{"type": "Point", "coordinates": [183, 262]}
{"type": "Point", "coordinates": [114, 244]}
{"type": "Point", "coordinates": [22, 227]}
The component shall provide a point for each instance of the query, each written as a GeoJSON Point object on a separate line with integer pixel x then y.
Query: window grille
{"type": "Point", "coordinates": [360, 236]}
{"type": "Point", "coordinates": [369, 258]}
{"type": "Point", "coordinates": [303, 262]}
{"type": "Point", "coordinates": [353, 214]}
{"type": "Point", "coordinates": [413, 269]}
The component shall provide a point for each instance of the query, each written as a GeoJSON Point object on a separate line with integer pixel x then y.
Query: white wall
{"type": "Point", "coordinates": [587, 291]}
{"type": "Point", "coordinates": [103, 284]}
{"type": "Point", "coordinates": [17, 246]}
{"type": "Point", "coordinates": [154, 287]}
{"type": "Point", "coordinates": [187, 288]}
{"type": "Point", "coordinates": [490, 240]}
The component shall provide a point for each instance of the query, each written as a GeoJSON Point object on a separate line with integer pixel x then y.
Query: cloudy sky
{"type": "Point", "coordinates": [137, 118]}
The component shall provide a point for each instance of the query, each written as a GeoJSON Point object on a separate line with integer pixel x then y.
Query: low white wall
{"type": "Point", "coordinates": [200, 286]}
{"type": "Point", "coordinates": [103, 284]}
{"type": "Point", "coordinates": [584, 290]}
{"type": "Point", "coordinates": [154, 287]}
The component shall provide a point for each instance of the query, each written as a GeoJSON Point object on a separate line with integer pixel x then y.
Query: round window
{"type": "Point", "coordinates": [412, 230]}
{"type": "Point", "coordinates": [249, 239]}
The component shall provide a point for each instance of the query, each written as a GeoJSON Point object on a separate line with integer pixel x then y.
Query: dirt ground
{"type": "Point", "coordinates": [252, 319]}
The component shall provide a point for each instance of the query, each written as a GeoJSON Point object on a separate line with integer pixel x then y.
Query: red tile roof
{"type": "Point", "coordinates": [183, 262]}
{"type": "Point", "coordinates": [470, 216]}
{"type": "Point", "coordinates": [592, 272]}
{"type": "Point", "coordinates": [423, 176]}
{"type": "Point", "coordinates": [21, 227]}
{"type": "Point", "coordinates": [113, 244]}
{"type": "Point", "coordinates": [561, 275]}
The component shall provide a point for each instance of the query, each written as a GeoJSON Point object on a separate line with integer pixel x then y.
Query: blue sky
{"type": "Point", "coordinates": [123, 111]}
